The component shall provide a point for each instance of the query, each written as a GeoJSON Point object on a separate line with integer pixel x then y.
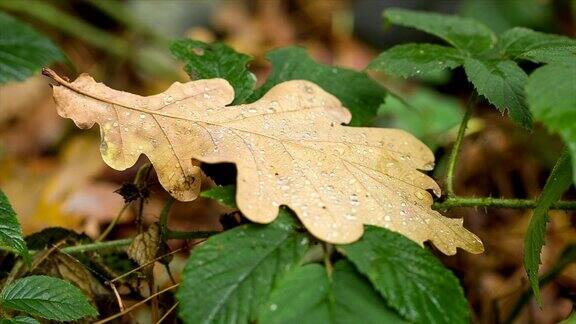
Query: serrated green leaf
{"type": "Point", "coordinates": [227, 278]}
{"type": "Point", "coordinates": [557, 183]}
{"type": "Point", "coordinates": [358, 93]}
{"type": "Point", "coordinates": [523, 43]}
{"type": "Point", "coordinates": [47, 297]}
{"type": "Point", "coordinates": [10, 231]}
{"type": "Point", "coordinates": [551, 95]}
{"type": "Point", "coordinates": [416, 59]}
{"type": "Point", "coordinates": [308, 295]}
{"type": "Point", "coordinates": [464, 33]}
{"type": "Point", "coordinates": [19, 320]}
{"type": "Point", "coordinates": [502, 83]}
{"type": "Point", "coordinates": [409, 277]}
{"type": "Point", "coordinates": [429, 116]}
{"type": "Point", "coordinates": [23, 51]}
{"type": "Point", "coordinates": [225, 195]}
{"type": "Point", "coordinates": [216, 60]}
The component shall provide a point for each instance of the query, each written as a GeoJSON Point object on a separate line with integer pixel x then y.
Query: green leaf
{"type": "Point", "coordinates": [409, 277]}
{"type": "Point", "coordinates": [551, 95]}
{"type": "Point", "coordinates": [426, 114]}
{"type": "Point", "coordinates": [463, 33]}
{"type": "Point", "coordinates": [557, 183]}
{"type": "Point", "coordinates": [416, 59]}
{"type": "Point", "coordinates": [228, 277]}
{"type": "Point", "coordinates": [19, 320]}
{"type": "Point", "coordinates": [502, 83]}
{"type": "Point", "coordinates": [358, 93]}
{"type": "Point", "coordinates": [523, 43]}
{"type": "Point", "coordinates": [216, 60]}
{"type": "Point", "coordinates": [225, 195]}
{"type": "Point", "coordinates": [23, 51]}
{"type": "Point", "coordinates": [47, 297]}
{"type": "Point", "coordinates": [308, 295]}
{"type": "Point", "coordinates": [10, 231]}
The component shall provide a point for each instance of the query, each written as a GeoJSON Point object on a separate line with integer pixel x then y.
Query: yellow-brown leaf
{"type": "Point", "coordinates": [289, 148]}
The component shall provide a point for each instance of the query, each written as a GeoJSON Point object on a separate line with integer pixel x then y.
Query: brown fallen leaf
{"type": "Point", "coordinates": [289, 149]}
{"type": "Point", "coordinates": [145, 246]}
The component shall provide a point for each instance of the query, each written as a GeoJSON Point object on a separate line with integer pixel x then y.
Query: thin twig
{"type": "Point", "coordinates": [138, 304]}
{"type": "Point", "coordinates": [148, 263]}
{"type": "Point", "coordinates": [118, 298]}
{"type": "Point", "coordinates": [168, 313]}
{"type": "Point", "coordinates": [112, 224]}
{"type": "Point", "coordinates": [453, 158]}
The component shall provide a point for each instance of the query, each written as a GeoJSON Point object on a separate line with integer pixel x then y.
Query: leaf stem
{"type": "Point", "coordinates": [453, 158]}
{"type": "Point", "coordinates": [180, 235]}
{"type": "Point", "coordinates": [163, 222]}
{"type": "Point", "coordinates": [97, 246]}
{"type": "Point", "coordinates": [454, 202]}
{"type": "Point", "coordinates": [328, 249]}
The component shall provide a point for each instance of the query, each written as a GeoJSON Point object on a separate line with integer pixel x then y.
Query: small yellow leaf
{"type": "Point", "coordinates": [289, 148]}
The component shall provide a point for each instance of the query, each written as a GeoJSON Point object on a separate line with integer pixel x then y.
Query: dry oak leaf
{"type": "Point", "coordinates": [289, 148]}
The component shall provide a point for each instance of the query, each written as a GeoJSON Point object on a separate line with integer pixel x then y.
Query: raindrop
{"type": "Point", "coordinates": [354, 200]}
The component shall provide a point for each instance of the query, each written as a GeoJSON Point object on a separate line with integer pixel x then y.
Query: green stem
{"type": "Point", "coordinates": [453, 158]}
{"type": "Point", "coordinates": [164, 218]}
{"type": "Point", "coordinates": [328, 249]}
{"type": "Point", "coordinates": [454, 202]}
{"type": "Point", "coordinates": [180, 235]}
{"type": "Point", "coordinates": [97, 246]}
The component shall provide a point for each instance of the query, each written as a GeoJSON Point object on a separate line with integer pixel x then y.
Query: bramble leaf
{"type": "Point", "coordinates": [409, 277]}
{"type": "Point", "coordinates": [356, 91]}
{"type": "Point", "coordinates": [19, 320]}
{"type": "Point", "coordinates": [308, 295]}
{"type": "Point", "coordinates": [557, 183]}
{"type": "Point", "coordinates": [225, 195]}
{"type": "Point", "coordinates": [429, 115]}
{"type": "Point", "coordinates": [289, 149]}
{"type": "Point", "coordinates": [23, 51]}
{"type": "Point", "coordinates": [216, 60]}
{"type": "Point", "coordinates": [463, 33]}
{"type": "Point", "coordinates": [229, 277]}
{"type": "Point", "coordinates": [523, 43]}
{"type": "Point", "coordinates": [551, 95]}
{"type": "Point", "coordinates": [502, 83]}
{"type": "Point", "coordinates": [416, 59]}
{"type": "Point", "coordinates": [47, 297]}
{"type": "Point", "coordinates": [10, 232]}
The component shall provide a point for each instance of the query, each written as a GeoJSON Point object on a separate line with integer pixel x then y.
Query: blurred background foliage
{"type": "Point", "coordinates": [54, 175]}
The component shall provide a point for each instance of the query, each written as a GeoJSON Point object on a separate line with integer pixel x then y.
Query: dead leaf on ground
{"type": "Point", "coordinates": [289, 148]}
{"type": "Point", "coordinates": [145, 246]}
